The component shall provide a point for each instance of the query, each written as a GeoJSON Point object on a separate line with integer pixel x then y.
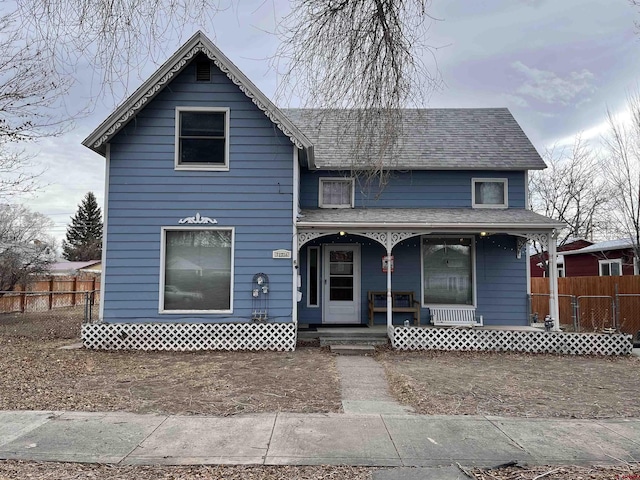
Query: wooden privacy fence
{"type": "Point", "coordinates": [592, 303]}
{"type": "Point", "coordinates": [46, 294]}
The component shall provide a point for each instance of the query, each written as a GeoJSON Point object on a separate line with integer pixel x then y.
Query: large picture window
{"type": "Point", "coordinates": [447, 271]}
{"type": "Point", "coordinates": [197, 270]}
{"type": "Point", "coordinates": [202, 138]}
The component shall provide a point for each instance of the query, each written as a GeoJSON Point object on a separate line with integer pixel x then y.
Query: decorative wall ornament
{"type": "Point", "coordinates": [197, 220]}
{"type": "Point", "coordinates": [180, 64]}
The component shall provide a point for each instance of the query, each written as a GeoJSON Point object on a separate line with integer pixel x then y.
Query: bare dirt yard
{"type": "Point", "coordinates": [523, 385]}
{"type": "Point", "coordinates": [37, 375]}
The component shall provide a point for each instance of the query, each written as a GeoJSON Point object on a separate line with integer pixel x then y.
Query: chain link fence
{"type": "Point", "coordinates": [592, 313]}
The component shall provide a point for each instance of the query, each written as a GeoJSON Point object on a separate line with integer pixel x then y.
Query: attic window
{"type": "Point", "coordinates": [203, 71]}
{"type": "Point", "coordinates": [336, 193]}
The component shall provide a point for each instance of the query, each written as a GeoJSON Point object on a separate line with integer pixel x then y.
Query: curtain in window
{"type": "Point", "coordinates": [336, 193]}
{"type": "Point", "coordinates": [447, 271]}
{"type": "Point", "coordinates": [490, 193]}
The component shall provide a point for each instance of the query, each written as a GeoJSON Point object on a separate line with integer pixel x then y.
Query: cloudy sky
{"type": "Point", "coordinates": [556, 64]}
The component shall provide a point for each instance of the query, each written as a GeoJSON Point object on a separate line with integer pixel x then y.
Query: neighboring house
{"type": "Point", "coordinates": [539, 261]}
{"type": "Point", "coordinates": [609, 258]}
{"type": "Point", "coordinates": [223, 210]}
{"type": "Point", "coordinates": [73, 268]}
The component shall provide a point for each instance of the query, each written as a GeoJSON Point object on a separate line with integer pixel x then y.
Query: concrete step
{"type": "Point", "coordinates": [350, 349]}
{"type": "Point", "coordinates": [344, 340]}
{"type": "Point", "coordinates": [353, 332]}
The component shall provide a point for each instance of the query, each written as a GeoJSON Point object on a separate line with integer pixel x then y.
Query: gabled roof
{"type": "Point", "coordinates": [619, 244]}
{"type": "Point", "coordinates": [442, 139]}
{"type": "Point", "coordinates": [198, 43]}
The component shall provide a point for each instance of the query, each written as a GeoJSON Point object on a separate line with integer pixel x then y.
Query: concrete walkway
{"type": "Point", "coordinates": [364, 387]}
{"type": "Point", "coordinates": [311, 439]}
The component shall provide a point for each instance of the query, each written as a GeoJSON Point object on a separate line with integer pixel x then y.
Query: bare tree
{"type": "Point", "coordinates": [30, 94]}
{"type": "Point", "coordinates": [25, 247]}
{"type": "Point", "coordinates": [623, 169]}
{"type": "Point", "coordinates": [571, 190]}
{"type": "Point", "coordinates": [362, 55]}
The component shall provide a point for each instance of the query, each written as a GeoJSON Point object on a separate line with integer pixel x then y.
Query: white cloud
{"type": "Point", "coordinates": [547, 87]}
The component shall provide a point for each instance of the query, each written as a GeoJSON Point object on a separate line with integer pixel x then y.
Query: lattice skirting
{"type": "Point", "coordinates": [416, 338]}
{"type": "Point", "coordinates": [190, 336]}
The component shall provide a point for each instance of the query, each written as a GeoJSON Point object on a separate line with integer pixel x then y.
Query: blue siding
{"type": "Point", "coordinates": [501, 281]}
{"type": "Point", "coordinates": [419, 188]}
{"type": "Point", "coordinates": [147, 193]}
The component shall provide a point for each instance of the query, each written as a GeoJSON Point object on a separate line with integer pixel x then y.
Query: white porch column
{"type": "Point", "coordinates": [389, 297]}
{"type": "Point", "coordinates": [554, 310]}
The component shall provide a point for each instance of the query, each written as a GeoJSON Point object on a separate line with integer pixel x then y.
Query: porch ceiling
{"type": "Point", "coordinates": [471, 219]}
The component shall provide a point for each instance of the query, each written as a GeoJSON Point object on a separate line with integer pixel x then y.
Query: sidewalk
{"type": "Point", "coordinates": [312, 439]}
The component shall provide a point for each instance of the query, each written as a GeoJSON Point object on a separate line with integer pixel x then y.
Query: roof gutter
{"type": "Point", "coordinates": [488, 227]}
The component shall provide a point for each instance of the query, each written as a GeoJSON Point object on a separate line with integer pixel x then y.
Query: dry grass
{"type": "Point", "coordinates": [523, 385]}
{"type": "Point", "coordinates": [37, 375]}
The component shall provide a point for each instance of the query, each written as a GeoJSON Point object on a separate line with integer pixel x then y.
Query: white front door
{"type": "Point", "coordinates": [341, 284]}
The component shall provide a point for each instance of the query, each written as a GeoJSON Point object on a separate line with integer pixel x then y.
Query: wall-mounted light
{"type": "Point", "coordinates": [483, 234]}
{"type": "Point", "coordinates": [342, 234]}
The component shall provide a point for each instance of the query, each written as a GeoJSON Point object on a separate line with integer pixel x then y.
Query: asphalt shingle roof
{"type": "Point", "coordinates": [469, 139]}
{"type": "Point", "coordinates": [430, 217]}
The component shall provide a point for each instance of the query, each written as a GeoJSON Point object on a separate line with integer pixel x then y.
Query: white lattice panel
{"type": "Point", "coordinates": [189, 336]}
{"type": "Point", "coordinates": [413, 338]}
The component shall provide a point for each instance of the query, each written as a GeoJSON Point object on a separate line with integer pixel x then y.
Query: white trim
{"type": "Point", "coordinates": [196, 166]}
{"type": "Point", "coordinates": [636, 267]}
{"type": "Point", "coordinates": [318, 279]}
{"type": "Point", "coordinates": [105, 226]}
{"type": "Point", "coordinates": [526, 190]}
{"type": "Point", "coordinates": [198, 43]}
{"type": "Point", "coordinates": [609, 261]}
{"type": "Point", "coordinates": [357, 279]}
{"type": "Point", "coordinates": [504, 181]}
{"type": "Point", "coordinates": [474, 296]}
{"type": "Point", "coordinates": [460, 227]}
{"type": "Point", "coordinates": [295, 209]}
{"type": "Point", "coordinates": [163, 231]}
{"type": "Point", "coordinates": [321, 180]}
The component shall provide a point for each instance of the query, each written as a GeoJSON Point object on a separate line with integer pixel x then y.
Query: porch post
{"type": "Point", "coordinates": [389, 297]}
{"type": "Point", "coordinates": [554, 311]}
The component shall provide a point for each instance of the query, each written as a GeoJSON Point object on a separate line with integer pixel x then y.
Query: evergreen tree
{"type": "Point", "coordinates": [84, 234]}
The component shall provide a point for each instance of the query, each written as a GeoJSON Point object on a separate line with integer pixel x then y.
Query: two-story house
{"type": "Point", "coordinates": [229, 221]}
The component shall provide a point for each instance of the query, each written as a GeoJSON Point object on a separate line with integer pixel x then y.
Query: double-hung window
{"type": "Point", "coordinates": [196, 270]}
{"type": "Point", "coordinates": [610, 268]}
{"type": "Point", "coordinates": [489, 192]}
{"type": "Point", "coordinates": [202, 138]}
{"type": "Point", "coordinates": [336, 193]}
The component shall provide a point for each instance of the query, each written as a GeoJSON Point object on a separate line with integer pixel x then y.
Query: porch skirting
{"type": "Point", "coordinates": [190, 336]}
{"type": "Point", "coordinates": [477, 339]}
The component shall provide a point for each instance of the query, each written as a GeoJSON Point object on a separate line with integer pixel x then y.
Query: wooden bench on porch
{"type": "Point", "coordinates": [401, 302]}
{"type": "Point", "coordinates": [454, 316]}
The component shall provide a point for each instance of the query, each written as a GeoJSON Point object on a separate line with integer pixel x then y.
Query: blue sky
{"type": "Point", "coordinates": [557, 65]}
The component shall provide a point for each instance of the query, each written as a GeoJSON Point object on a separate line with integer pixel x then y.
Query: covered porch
{"type": "Point", "coordinates": [471, 262]}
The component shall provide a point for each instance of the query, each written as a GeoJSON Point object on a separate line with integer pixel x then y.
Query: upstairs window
{"type": "Point", "coordinates": [610, 268]}
{"type": "Point", "coordinates": [336, 193]}
{"type": "Point", "coordinates": [489, 193]}
{"type": "Point", "coordinates": [202, 138]}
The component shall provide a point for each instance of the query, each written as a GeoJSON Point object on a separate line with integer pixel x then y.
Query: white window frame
{"type": "Point", "coordinates": [474, 284]}
{"type": "Point", "coordinates": [321, 180]}
{"type": "Point", "coordinates": [318, 269]}
{"type": "Point", "coordinates": [195, 166]}
{"type": "Point", "coordinates": [163, 239]}
{"type": "Point", "coordinates": [504, 181]}
{"type": "Point", "coordinates": [609, 261]}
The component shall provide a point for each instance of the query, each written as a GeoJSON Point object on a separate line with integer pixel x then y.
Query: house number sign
{"type": "Point", "coordinates": [281, 253]}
